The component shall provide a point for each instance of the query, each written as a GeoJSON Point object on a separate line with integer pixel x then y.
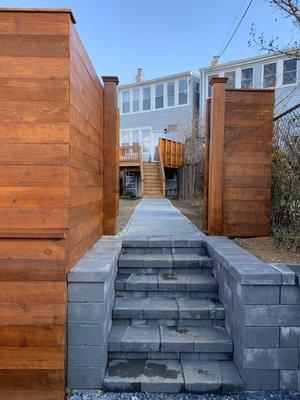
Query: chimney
{"type": "Point", "coordinates": [215, 61]}
{"type": "Point", "coordinates": [139, 77]}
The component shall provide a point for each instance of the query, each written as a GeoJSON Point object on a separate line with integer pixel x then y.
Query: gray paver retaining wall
{"type": "Point", "coordinates": [90, 299]}
{"type": "Point", "coordinates": [262, 304]}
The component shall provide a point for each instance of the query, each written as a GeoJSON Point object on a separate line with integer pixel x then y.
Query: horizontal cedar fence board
{"type": "Point", "coordinates": [37, 111]}
{"type": "Point", "coordinates": [31, 379]}
{"type": "Point", "coordinates": [31, 67]}
{"type": "Point", "coordinates": [80, 140]}
{"type": "Point", "coordinates": [89, 194]}
{"type": "Point", "coordinates": [248, 229]}
{"type": "Point", "coordinates": [31, 394]}
{"type": "Point", "coordinates": [40, 249]}
{"type": "Point", "coordinates": [247, 181]}
{"type": "Point", "coordinates": [246, 193]}
{"type": "Point", "coordinates": [32, 357]}
{"type": "Point", "coordinates": [32, 336]}
{"type": "Point", "coordinates": [18, 132]}
{"type": "Point", "coordinates": [37, 197]}
{"type": "Point", "coordinates": [235, 169]}
{"type": "Point", "coordinates": [81, 160]}
{"type": "Point", "coordinates": [233, 206]}
{"type": "Point", "coordinates": [32, 270]}
{"type": "Point", "coordinates": [84, 212]}
{"type": "Point", "coordinates": [20, 175]}
{"type": "Point", "coordinates": [78, 123]}
{"type": "Point", "coordinates": [48, 46]}
{"type": "Point", "coordinates": [34, 24]}
{"type": "Point", "coordinates": [32, 314]}
{"type": "Point", "coordinates": [56, 90]}
{"type": "Point", "coordinates": [33, 217]}
{"type": "Point", "coordinates": [34, 154]}
{"type": "Point", "coordinates": [32, 292]}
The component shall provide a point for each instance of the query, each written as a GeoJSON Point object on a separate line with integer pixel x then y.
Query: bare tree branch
{"type": "Point", "coordinates": [290, 9]}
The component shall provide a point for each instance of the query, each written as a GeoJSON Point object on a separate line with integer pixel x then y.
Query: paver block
{"type": "Point", "coordinates": [290, 380]}
{"type": "Point", "coordinates": [87, 334]}
{"type": "Point", "coordinates": [162, 376]}
{"type": "Point", "coordinates": [131, 261]}
{"type": "Point", "coordinates": [86, 312]}
{"type": "Point", "coordinates": [85, 377]}
{"type": "Point", "coordinates": [279, 358]}
{"type": "Point", "coordinates": [141, 339]}
{"type": "Point", "coordinates": [142, 282]}
{"type": "Point", "coordinates": [158, 261]}
{"type": "Point", "coordinates": [115, 338]}
{"type": "Point", "coordinates": [171, 282]}
{"type": "Point", "coordinates": [200, 282]}
{"type": "Point", "coordinates": [124, 375]}
{"type": "Point", "coordinates": [290, 295]}
{"type": "Point", "coordinates": [260, 294]}
{"type": "Point", "coordinates": [186, 260]}
{"type": "Point", "coordinates": [290, 336]}
{"type": "Point", "coordinates": [160, 308]}
{"type": "Point", "coordinates": [87, 356]}
{"type": "Point", "coordinates": [121, 279]}
{"type": "Point", "coordinates": [128, 308]}
{"type": "Point", "coordinates": [86, 291]}
{"type": "Point", "coordinates": [202, 376]}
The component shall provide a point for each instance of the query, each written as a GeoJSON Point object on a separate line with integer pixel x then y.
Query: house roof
{"type": "Point", "coordinates": [160, 79]}
{"type": "Point", "coordinates": [244, 61]}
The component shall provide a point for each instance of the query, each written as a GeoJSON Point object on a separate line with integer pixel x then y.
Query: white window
{"type": "Point", "coordinates": [289, 72]}
{"type": "Point", "coordinates": [135, 137]}
{"type": "Point", "coordinates": [125, 138]}
{"type": "Point", "coordinates": [125, 101]}
{"type": "Point", "coordinates": [171, 94]}
{"type": "Point", "coordinates": [247, 78]}
{"type": "Point", "coordinates": [231, 79]}
{"type": "Point", "coordinates": [146, 98]}
{"type": "Point", "coordinates": [136, 100]}
{"type": "Point", "coordinates": [270, 75]}
{"type": "Point", "coordinates": [159, 96]}
{"type": "Point", "coordinates": [182, 92]}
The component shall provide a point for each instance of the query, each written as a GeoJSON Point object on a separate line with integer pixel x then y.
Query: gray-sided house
{"type": "Point", "coordinates": [166, 107]}
{"type": "Point", "coordinates": [269, 71]}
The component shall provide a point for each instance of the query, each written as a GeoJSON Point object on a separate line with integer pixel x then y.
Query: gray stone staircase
{"type": "Point", "coordinates": [168, 331]}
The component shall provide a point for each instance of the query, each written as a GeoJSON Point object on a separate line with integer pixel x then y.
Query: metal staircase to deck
{"type": "Point", "coordinates": [168, 331]}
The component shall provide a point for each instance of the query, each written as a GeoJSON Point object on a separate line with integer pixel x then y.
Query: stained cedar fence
{"type": "Point", "coordinates": [237, 182]}
{"type": "Point", "coordinates": [171, 153]}
{"type": "Point", "coordinates": [59, 182]}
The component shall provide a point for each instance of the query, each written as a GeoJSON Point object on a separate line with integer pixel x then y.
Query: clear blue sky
{"type": "Point", "coordinates": [163, 36]}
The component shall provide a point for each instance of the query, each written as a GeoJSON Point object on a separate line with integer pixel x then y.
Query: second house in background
{"type": "Point", "coordinates": [268, 71]}
{"type": "Point", "coordinates": [164, 107]}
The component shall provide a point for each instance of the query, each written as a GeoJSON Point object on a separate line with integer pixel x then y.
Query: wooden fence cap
{"type": "Point", "coordinates": [110, 79]}
{"type": "Point", "coordinates": [40, 10]}
{"type": "Point", "coordinates": [218, 79]}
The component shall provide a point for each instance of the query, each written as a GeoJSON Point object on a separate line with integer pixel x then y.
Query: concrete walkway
{"type": "Point", "coordinates": [158, 217]}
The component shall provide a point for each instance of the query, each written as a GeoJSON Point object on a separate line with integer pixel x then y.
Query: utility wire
{"type": "Point", "coordinates": [232, 26]}
{"type": "Point", "coordinates": [236, 29]}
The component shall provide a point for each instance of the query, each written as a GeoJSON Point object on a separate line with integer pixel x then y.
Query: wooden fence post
{"type": "Point", "coordinates": [216, 150]}
{"type": "Point", "coordinates": [110, 156]}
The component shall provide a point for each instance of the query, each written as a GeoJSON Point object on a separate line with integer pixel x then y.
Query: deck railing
{"type": "Point", "coordinates": [171, 153]}
{"type": "Point", "coordinates": [130, 156]}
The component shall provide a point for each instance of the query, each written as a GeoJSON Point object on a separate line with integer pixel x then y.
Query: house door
{"type": "Point", "coordinates": [146, 144]}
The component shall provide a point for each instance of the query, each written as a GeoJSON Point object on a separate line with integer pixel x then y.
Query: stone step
{"type": "Point", "coordinates": [113, 355]}
{"type": "Point", "coordinates": [192, 242]}
{"type": "Point", "coordinates": [164, 261]}
{"type": "Point", "coordinates": [169, 339]}
{"type": "Point", "coordinates": [172, 376]}
{"type": "Point", "coordinates": [165, 282]}
{"type": "Point", "coordinates": [144, 309]}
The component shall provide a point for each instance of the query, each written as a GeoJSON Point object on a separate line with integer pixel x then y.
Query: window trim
{"type": "Point", "coordinates": [242, 69]}
{"type": "Point", "coordinates": [186, 91]}
{"type": "Point", "coordinates": [158, 97]}
{"type": "Point", "coordinates": [289, 84]}
{"type": "Point", "coordinates": [263, 76]}
{"type": "Point", "coordinates": [123, 102]}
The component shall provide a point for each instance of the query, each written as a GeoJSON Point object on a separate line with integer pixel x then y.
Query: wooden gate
{"type": "Point", "coordinates": [238, 156]}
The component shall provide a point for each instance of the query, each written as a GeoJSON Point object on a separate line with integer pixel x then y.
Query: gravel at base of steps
{"type": "Point", "coordinates": [96, 395]}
